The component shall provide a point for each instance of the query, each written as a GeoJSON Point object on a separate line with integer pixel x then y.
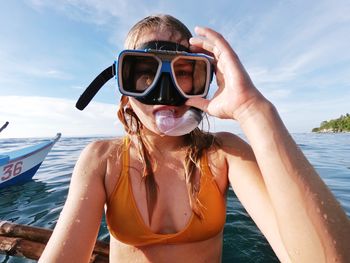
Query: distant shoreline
{"type": "Point", "coordinates": [339, 125]}
{"type": "Point", "coordinates": [330, 131]}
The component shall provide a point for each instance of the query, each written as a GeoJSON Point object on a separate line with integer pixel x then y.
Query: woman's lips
{"type": "Point", "coordinates": [165, 108]}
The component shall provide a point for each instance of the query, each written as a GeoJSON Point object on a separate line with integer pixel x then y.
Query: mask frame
{"type": "Point", "coordinates": [166, 64]}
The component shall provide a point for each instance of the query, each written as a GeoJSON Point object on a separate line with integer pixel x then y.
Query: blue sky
{"type": "Point", "coordinates": [296, 52]}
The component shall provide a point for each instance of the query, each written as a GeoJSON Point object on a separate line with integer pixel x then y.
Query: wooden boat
{"type": "Point", "coordinates": [19, 166]}
{"type": "Point", "coordinates": [29, 242]}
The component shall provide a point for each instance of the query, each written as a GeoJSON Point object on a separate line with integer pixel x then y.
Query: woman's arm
{"type": "Point", "coordinates": [75, 234]}
{"type": "Point", "coordinates": [312, 225]}
{"type": "Point", "coordinates": [249, 186]}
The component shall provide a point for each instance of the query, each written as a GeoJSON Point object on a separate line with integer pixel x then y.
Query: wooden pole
{"type": "Point", "coordinates": [29, 242]}
{"type": "Point", "coordinates": [4, 126]}
{"type": "Point", "coordinates": [21, 247]}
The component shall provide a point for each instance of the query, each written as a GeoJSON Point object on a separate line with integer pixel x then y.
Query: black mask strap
{"type": "Point", "coordinates": [94, 87]}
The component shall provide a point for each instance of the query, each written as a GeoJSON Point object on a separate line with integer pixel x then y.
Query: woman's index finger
{"type": "Point", "coordinates": [214, 37]}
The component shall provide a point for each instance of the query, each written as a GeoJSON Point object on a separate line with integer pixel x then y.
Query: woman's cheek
{"type": "Point", "coordinates": [145, 115]}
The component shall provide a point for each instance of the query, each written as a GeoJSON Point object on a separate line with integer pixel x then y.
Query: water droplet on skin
{"type": "Point", "coordinates": [325, 216]}
{"type": "Point", "coordinates": [334, 242]}
{"type": "Point", "coordinates": [322, 203]}
{"type": "Point", "coordinates": [77, 221]}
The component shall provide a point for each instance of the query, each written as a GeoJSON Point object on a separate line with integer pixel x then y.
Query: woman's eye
{"type": "Point", "coordinates": [184, 73]}
{"type": "Point", "coordinates": [145, 76]}
{"type": "Point", "coordinates": [145, 72]}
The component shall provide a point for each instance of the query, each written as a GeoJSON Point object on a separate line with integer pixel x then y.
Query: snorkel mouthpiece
{"type": "Point", "coordinates": [170, 125]}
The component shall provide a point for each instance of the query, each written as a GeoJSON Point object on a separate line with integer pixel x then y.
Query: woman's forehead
{"type": "Point", "coordinates": [161, 36]}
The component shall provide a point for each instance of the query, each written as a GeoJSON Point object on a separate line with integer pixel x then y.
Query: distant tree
{"type": "Point", "coordinates": [341, 124]}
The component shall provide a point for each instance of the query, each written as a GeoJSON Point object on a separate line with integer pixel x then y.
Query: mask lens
{"type": "Point", "coordinates": [138, 73]}
{"type": "Point", "coordinates": [191, 75]}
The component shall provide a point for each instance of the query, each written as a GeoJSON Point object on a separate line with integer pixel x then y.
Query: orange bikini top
{"type": "Point", "coordinates": [125, 222]}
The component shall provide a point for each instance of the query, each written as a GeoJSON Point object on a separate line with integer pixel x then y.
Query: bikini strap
{"type": "Point", "coordinates": [125, 154]}
{"type": "Point", "coordinates": [205, 169]}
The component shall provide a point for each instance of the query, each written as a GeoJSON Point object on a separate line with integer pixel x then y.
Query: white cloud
{"type": "Point", "coordinates": [14, 69]}
{"type": "Point", "coordinates": [45, 116]}
{"type": "Point", "coordinates": [44, 73]}
{"type": "Point", "coordinates": [262, 76]}
{"type": "Point", "coordinates": [291, 39]}
{"type": "Point", "coordinates": [117, 16]}
{"type": "Point", "coordinates": [95, 11]}
{"type": "Point", "coordinates": [288, 71]}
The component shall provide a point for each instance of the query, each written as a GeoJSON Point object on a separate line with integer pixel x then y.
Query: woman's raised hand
{"type": "Point", "coordinates": [235, 92]}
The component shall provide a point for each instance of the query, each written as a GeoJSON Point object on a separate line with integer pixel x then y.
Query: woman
{"type": "Point", "coordinates": [165, 191]}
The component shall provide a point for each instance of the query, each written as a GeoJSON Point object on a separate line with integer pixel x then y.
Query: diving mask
{"type": "Point", "coordinates": [160, 72]}
{"type": "Point", "coordinates": [163, 77]}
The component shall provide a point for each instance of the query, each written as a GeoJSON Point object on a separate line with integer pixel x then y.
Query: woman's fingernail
{"type": "Point", "coordinates": [194, 40]}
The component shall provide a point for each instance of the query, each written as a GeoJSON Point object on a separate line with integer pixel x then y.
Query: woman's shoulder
{"type": "Point", "coordinates": [103, 148]}
{"type": "Point", "coordinates": [231, 144]}
{"type": "Point", "coordinates": [97, 154]}
{"type": "Point", "coordinates": [227, 139]}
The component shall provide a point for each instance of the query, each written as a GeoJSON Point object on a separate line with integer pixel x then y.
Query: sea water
{"type": "Point", "coordinates": [40, 201]}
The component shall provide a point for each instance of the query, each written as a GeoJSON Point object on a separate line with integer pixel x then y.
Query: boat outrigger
{"type": "Point", "coordinates": [29, 242]}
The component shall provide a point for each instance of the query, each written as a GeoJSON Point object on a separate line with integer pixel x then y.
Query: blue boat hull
{"type": "Point", "coordinates": [25, 177]}
{"type": "Point", "coordinates": [20, 166]}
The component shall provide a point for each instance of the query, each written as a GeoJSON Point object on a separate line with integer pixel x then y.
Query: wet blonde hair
{"type": "Point", "coordinates": [158, 23]}
{"type": "Point", "coordinates": [197, 140]}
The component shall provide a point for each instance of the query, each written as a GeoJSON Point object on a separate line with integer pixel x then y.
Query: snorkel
{"type": "Point", "coordinates": [169, 124]}
{"type": "Point", "coordinates": [164, 90]}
